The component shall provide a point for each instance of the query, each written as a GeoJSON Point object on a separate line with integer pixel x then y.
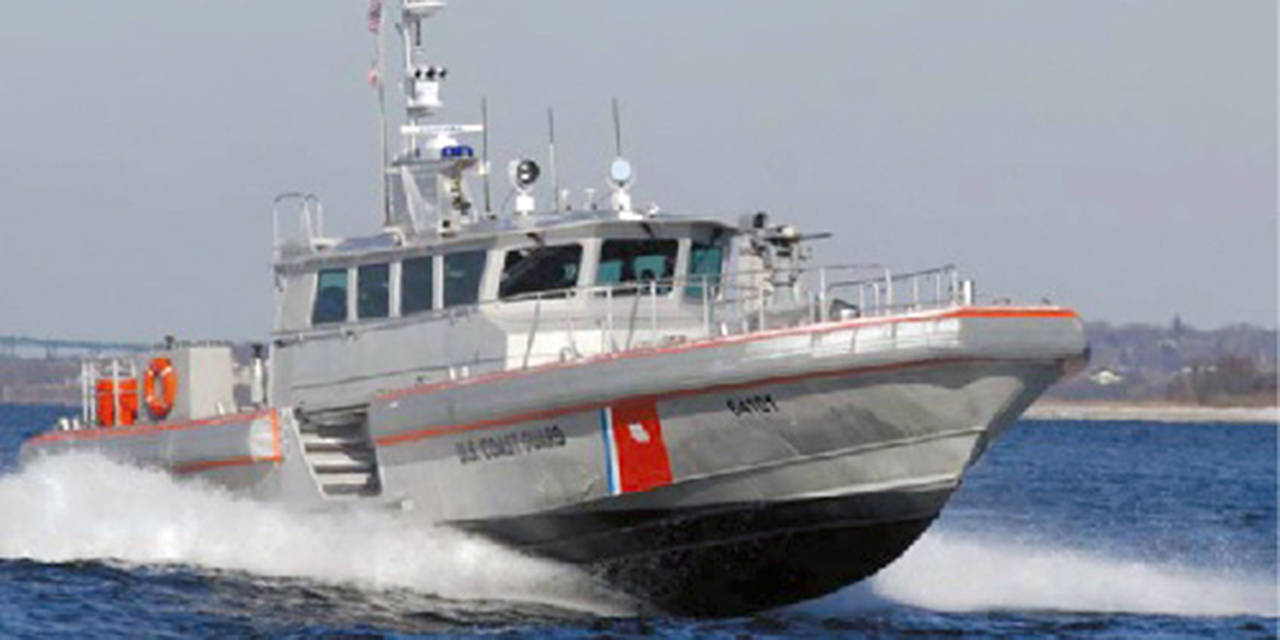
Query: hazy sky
{"type": "Point", "coordinates": [1116, 156]}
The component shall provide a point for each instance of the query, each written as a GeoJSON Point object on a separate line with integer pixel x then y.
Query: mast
{"type": "Point", "coordinates": [424, 184]}
{"type": "Point", "coordinates": [621, 174]}
{"type": "Point", "coordinates": [551, 156]}
{"type": "Point", "coordinates": [377, 72]}
{"type": "Point", "coordinates": [484, 156]}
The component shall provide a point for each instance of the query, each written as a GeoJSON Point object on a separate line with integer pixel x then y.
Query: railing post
{"type": "Point", "coordinates": [533, 331]}
{"type": "Point", "coordinates": [87, 408]}
{"type": "Point", "coordinates": [115, 392]}
{"type": "Point", "coordinates": [653, 312]}
{"type": "Point", "coordinates": [915, 290]}
{"type": "Point", "coordinates": [306, 224]}
{"type": "Point", "coordinates": [706, 307]}
{"type": "Point", "coordinates": [822, 294]}
{"type": "Point", "coordinates": [888, 291]}
{"type": "Point", "coordinates": [319, 215]}
{"type": "Point", "coordinates": [760, 291]}
{"type": "Point", "coordinates": [608, 298]}
{"type": "Point", "coordinates": [573, 339]}
{"type": "Point", "coordinates": [955, 286]}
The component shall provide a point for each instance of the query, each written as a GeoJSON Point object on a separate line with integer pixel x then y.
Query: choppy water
{"type": "Point", "coordinates": [1064, 529]}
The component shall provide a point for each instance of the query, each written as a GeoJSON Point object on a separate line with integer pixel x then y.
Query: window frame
{"type": "Point", "coordinates": [432, 286]}
{"type": "Point", "coordinates": [318, 289]}
{"type": "Point", "coordinates": [624, 287]}
{"type": "Point", "coordinates": [483, 254]}
{"type": "Point", "coordinates": [360, 280]}
{"type": "Point", "coordinates": [555, 292]}
{"type": "Point", "coordinates": [693, 281]}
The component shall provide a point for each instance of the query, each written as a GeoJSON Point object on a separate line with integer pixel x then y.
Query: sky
{"type": "Point", "coordinates": [1115, 156]}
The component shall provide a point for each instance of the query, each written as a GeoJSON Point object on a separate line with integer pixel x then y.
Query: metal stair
{"type": "Point", "coordinates": [341, 457]}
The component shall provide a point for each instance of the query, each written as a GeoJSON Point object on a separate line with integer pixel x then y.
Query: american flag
{"type": "Point", "coordinates": [375, 16]}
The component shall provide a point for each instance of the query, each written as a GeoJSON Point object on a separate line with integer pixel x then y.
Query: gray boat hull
{"type": "Point", "coordinates": [717, 477]}
{"type": "Point", "coordinates": [794, 463]}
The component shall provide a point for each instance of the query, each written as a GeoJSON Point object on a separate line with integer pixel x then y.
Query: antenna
{"type": "Point", "coordinates": [484, 152]}
{"type": "Point", "coordinates": [617, 128]}
{"type": "Point", "coordinates": [376, 75]}
{"type": "Point", "coordinates": [620, 173]}
{"type": "Point", "coordinates": [551, 156]}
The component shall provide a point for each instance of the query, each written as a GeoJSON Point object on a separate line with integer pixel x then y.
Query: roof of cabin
{"type": "Point", "coordinates": [589, 223]}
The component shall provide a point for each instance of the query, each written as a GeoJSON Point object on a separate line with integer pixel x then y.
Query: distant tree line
{"type": "Point", "coordinates": [1234, 365]}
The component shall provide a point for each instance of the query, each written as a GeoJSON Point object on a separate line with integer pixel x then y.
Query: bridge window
{"type": "Point", "coordinates": [705, 263]}
{"type": "Point", "coordinates": [540, 269]}
{"type": "Point", "coordinates": [373, 291]}
{"type": "Point", "coordinates": [462, 273]}
{"type": "Point", "coordinates": [637, 261]}
{"type": "Point", "coordinates": [416, 285]}
{"type": "Point", "coordinates": [331, 297]}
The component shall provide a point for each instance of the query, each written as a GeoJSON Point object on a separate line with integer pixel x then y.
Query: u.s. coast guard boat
{"type": "Point", "coordinates": [684, 405]}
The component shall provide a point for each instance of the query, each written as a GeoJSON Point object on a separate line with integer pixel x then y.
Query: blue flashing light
{"type": "Point", "coordinates": [458, 151]}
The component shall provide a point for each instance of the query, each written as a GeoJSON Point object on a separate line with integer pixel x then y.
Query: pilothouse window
{"type": "Point", "coordinates": [705, 263]}
{"type": "Point", "coordinates": [637, 261]}
{"type": "Point", "coordinates": [540, 269]}
{"type": "Point", "coordinates": [331, 297]}
{"type": "Point", "coordinates": [462, 273]}
{"type": "Point", "coordinates": [416, 286]}
{"type": "Point", "coordinates": [373, 291]}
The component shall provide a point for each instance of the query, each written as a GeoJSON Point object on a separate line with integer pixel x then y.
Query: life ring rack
{"type": "Point", "coordinates": [160, 400]}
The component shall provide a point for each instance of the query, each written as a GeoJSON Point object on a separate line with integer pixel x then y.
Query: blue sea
{"type": "Point", "coordinates": [1064, 529]}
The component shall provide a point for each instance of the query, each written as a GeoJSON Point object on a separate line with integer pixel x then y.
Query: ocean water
{"type": "Point", "coordinates": [1104, 529]}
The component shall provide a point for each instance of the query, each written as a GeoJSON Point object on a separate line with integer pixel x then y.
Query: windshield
{"type": "Point", "coordinates": [541, 269]}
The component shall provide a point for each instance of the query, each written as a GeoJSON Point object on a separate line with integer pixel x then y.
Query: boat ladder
{"type": "Point", "coordinates": [341, 456]}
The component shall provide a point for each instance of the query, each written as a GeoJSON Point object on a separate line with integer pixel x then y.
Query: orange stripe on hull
{"type": "Point", "coordinates": [118, 432]}
{"type": "Point", "coordinates": [209, 465]}
{"type": "Point", "coordinates": [999, 312]}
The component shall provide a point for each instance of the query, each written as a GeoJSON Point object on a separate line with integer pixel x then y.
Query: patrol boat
{"type": "Point", "coordinates": [686, 406]}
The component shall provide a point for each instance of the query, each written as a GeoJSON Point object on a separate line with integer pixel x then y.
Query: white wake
{"type": "Point", "coordinates": [72, 508]}
{"type": "Point", "coordinates": [949, 572]}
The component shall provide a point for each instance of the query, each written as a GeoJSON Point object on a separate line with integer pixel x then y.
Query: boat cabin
{"type": "Point", "coordinates": [364, 315]}
{"type": "Point", "coordinates": [375, 280]}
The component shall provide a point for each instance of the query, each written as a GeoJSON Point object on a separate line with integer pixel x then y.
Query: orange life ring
{"type": "Point", "coordinates": [160, 403]}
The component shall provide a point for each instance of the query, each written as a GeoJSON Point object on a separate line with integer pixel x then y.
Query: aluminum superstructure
{"type": "Point", "coordinates": [685, 405]}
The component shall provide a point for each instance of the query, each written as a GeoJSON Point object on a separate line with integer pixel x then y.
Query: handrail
{"type": "Point", "coordinates": [922, 290]}
{"type": "Point", "coordinates": [94, 370]}
{"type": "Point", "coordinates": [726, 290]}
{"type": "Point", "coordinates": [310, 217]}
{"type": "Point", "coordinates": [684, 308]}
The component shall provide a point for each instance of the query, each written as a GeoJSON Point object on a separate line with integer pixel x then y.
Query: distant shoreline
{"type": "Point", "coordinates": [1149, 412]}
